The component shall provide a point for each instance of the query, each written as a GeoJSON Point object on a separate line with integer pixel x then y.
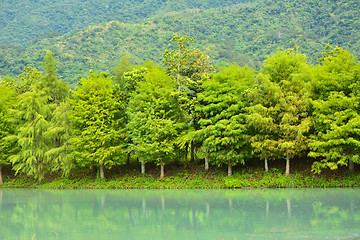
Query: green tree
{"type": "Point", "coordinates": [128, 83]}
{"type": "Point", "coordinates": [33, 114]}
{"type": "Point", "coordinates": [282, 108]}
{"type": "Point", "coordinates": [7, 126]}
{"type": "Point", "coordinates": [98, 119]}
{"type": "Point", "coordinates": [222, 107]}
{"type": "Point", "coordinates": [155, 119]}
{"type": "Point", "coordinates": [190, 67]}
{"type": "Point", "coordinates": [59, 134]}
{"type": "Point", "coordinates": [335, 94]}
{"type": "Point", "coordinates": [121, 68]}
{"type": "Point", "coordinates": [56, 88]}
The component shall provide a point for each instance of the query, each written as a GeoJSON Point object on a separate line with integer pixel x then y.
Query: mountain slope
{"type": "Point", "coordinates": [245, 34]}
{"type": "Point", "coordinates": [22, 21]}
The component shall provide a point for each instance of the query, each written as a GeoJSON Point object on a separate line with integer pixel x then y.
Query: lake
{"type": "Point", "coordinates": [180, 214]}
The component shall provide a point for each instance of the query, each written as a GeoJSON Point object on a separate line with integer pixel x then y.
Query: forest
{"type": "Point", "coordinates": [89, 34]}
{"type": "Point", "coordinates": [182, 111]}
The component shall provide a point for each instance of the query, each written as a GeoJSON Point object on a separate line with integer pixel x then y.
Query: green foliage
{"type": "Point", "coordinates": [131, 79]}
{"type": "Point", "coordinates": [156, 114]}
{"type": "Point", "coordinates": [280, 110]}
{"type": "Point", "coordinates": [121, 68]}
{"type": "Point", "coordinates": [98, 119]}
{"type": "Point", "coordinates": [155, 118]}
{"type": "Point", "coordinates": [34, 114]}
{"type": "Point", "coordinates": [22, 22]}
{"type": "Point", "coordinates": [38, 134]}
{"type": "Point", "coordinates": [7, 126]}
{"type": "Point", "coordinates": [247, 179]}
{"type": "Point", "coordinates": [54, 87]}
{"type": "Point", "coordinates": [59, 134]}
{"type": "Point", "coordinates": [190, 67]}
{"type": "Point", "coordinates": [222, 115]}
{"type": "Point", "coordinates": [234, 32]}
{"type": "Point", "coordinates": [336, 115]}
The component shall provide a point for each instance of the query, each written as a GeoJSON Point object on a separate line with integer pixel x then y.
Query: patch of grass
{"type": "Point", "coordinates": [196, 178]}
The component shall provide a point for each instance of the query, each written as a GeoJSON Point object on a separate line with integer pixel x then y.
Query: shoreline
{"type": "Point", "coordinates": [193, 180]}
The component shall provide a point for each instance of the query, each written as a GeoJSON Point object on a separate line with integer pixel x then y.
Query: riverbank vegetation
{"type": "Point", "coordinates": [185, 112]}
{"type": "Point", "coordinates": [197, 178]}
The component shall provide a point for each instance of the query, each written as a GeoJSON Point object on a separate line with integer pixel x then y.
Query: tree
{"type": "Point", "coordinates": [222, 108]}
{"type": "Point", "coordinates": [335, 94]}
{"type": "Point", "coordinates": [59, 134]}
{"type": "Point", "coordinates": [190, 67]}
{"type": "Point", "coordinates": [155, 119]}
{"type": "Point", "coordinates": [121, 68]}
{"type": "Point", "coordinates": [7, 126]}
{"type": "Point", "coordinates": [40, 95]}
{"type": "Point", "coordinates": [280, 116]}
{"type": "Point", "coordinates": [54, 87]}
{"type": "Point", "coordinates": [98, 118]}
{"type": "Point", "coordinates": [128, 84]}
{"type": "Point", "coordinates": [33, 113]}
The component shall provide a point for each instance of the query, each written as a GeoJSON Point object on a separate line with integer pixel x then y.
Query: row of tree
{"type": "Point", "coordinates": [286, 110]}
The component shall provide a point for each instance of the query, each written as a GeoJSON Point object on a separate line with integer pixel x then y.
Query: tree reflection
{"type": "Point", "coordinates": [176, 214]}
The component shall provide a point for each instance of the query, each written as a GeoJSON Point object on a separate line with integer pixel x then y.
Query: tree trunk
{"type": "Point", "coordinates": [101, 171]}
{"type": "Point", "coordinates": [229, 169]}
{"type": "Point", "coordinates": [1, 180]}
{"type": "Point", "coordinates": [351, 165]}
{"type": "Point", "coordinates": [128, 160]}
{"type": "Point", "coordinates": [142, 167]}
{"type": "Point", "coordinates": [266, 165]}
{"type": "Point", "coordinates": [192, 151]}
{"type": "Point", "coordinates": [186, 155]}
{"type": "Point", "coordinates": [162, 174]}
{"type": "Point", "coordinates": [287, 170]}
{"type": "Point", "coordinates": [206, 163]}
{"type": "Point", "coordinates": [178, 71]}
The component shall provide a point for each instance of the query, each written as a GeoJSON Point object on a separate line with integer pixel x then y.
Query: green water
{"type": "Point", "coordinates": [180, 214]}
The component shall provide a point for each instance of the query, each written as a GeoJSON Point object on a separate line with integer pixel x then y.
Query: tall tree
{"type": "Point", "coordinates": [336, 100]}
{"type": "Point", "coordinates": [59, 134]}
{"type": "Point", "coordinates": [98, 118]}
{"type": "Point", "coordinates": [155, 119]}
{"type": "Point", "coordinates": [40, 95]}
{"type": "Point", "coordinates": [190, 67]}
{"type": "Point", "coordinates": [33, 113]}
{"type": "Point", "coordinates": [56, 88]}
{"type": "Point", "coordinates": [283, 105]}
{"type": "Point", "coordinates": [121, 68]}
{"type": "Point", "coordinates": [222, 108]}
{"type": "Point", "coordinates": [7, 125]}
{"type": "Point", "coordinates": [128, 84]}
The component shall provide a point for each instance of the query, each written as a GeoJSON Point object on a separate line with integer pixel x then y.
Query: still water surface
{"type": "Point", "coordinates": [180, 214]}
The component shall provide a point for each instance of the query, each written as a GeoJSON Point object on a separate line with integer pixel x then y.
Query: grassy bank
{"type": "Point", "coordinates": [191, 179]}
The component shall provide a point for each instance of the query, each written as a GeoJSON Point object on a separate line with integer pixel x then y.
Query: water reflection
{"type": "Point", "coordinates": [181, 214]}
{"type": "Point", "coordinates": [1, 196]}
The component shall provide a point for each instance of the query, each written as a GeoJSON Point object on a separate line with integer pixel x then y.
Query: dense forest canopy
{"type": "Point", "coordinates": [22, 21]}
{"type": "Point", "coordinates": [142, 89]}
{"type": "Point", "coordinates": [288, 110]}
{"type": "Point", "coordinates": [231, 31]}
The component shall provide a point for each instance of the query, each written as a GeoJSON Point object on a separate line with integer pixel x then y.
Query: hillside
{"type": "Point", "coordinates": [22, 21]}
{"type": "Point", "coordinates": [242, 33]}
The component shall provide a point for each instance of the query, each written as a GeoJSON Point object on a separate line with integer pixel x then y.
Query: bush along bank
{"type": "Point", "coordinates": [252, 178]}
